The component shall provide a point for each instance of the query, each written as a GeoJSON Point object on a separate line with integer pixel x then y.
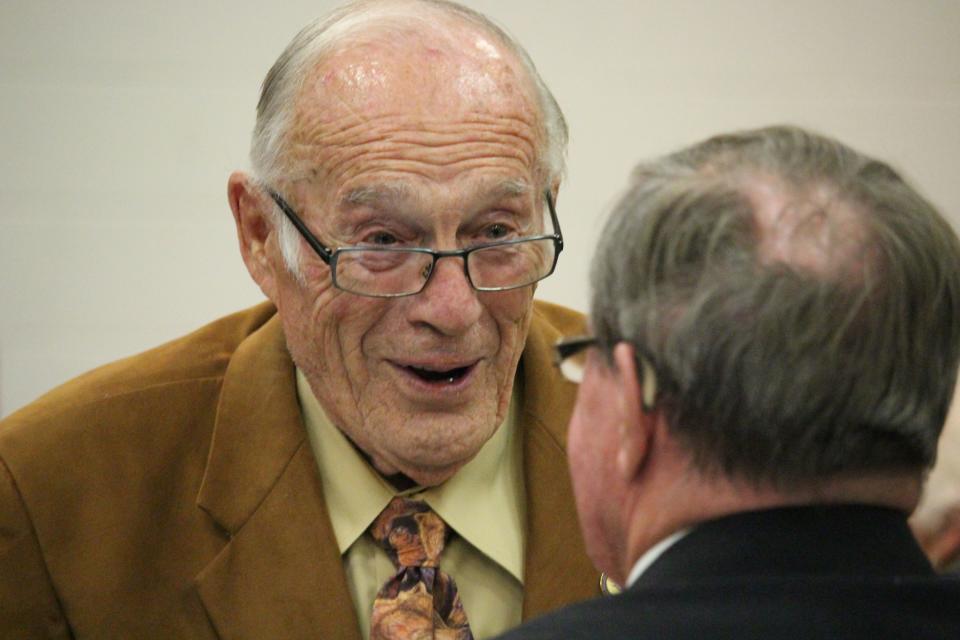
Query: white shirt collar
{"type": "Point", "coordinates": [652, 554]}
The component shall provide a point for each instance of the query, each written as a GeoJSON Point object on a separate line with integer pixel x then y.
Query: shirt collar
{"type": "Point", "coordinates": [487, 490]}
{"type": "Point", "coordinates": [651, 555]}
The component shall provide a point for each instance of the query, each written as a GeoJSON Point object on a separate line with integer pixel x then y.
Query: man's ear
{"type": "Point", "coordinates": [636, 425]}
{"type": "Point", "coordinates": [250, 208]}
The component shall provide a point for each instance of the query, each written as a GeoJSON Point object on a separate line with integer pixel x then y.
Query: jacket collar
{"type": "Point", "coordinates": [815, 540]}
{"type": "Point", "coordinates": [556, 571]}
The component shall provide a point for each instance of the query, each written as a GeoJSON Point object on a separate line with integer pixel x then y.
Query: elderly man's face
{"type": "Point", "coordinates": [409, 146]}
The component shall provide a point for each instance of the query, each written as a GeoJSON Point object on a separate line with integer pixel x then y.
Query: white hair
{"type": "Point", "coordinates": [289, 240]}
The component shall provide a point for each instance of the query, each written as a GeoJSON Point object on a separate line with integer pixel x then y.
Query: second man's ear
{"type": "Point", "coordinates": [637, 425]}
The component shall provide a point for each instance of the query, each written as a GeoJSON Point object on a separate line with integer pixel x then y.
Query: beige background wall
{"type": "Point", "coordinates": [120, 122]}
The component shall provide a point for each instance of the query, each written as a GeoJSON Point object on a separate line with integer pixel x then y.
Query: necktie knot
{"type": "Point", "coordinates": [410, 532]}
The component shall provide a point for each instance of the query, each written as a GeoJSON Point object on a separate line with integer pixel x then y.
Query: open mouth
{"type": "Point", "coordinates": [444, 376]}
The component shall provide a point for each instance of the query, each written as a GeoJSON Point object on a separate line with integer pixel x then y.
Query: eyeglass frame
{"type": "Point", "coordinates": [329, 256]}
{"type": "Point", "coordinates": [566, 348]}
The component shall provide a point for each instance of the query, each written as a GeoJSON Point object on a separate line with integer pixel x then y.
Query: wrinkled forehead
{"type": "Point", "coordinates": [449, 74]}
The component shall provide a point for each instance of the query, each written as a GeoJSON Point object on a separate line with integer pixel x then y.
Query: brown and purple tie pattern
{"type": "Point", "coordinates": [420, 602]}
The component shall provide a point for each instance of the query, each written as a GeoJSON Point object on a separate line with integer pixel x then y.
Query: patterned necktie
{"type": "Point", "coordinates": [420, 602]}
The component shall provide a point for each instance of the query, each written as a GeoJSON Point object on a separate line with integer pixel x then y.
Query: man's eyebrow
{"type": "Point", "coordinates": [511, 188]}
{"type": "Point", "coordinates": [503, 190]}
{"type": "Point", "coordinates": [377, 194]}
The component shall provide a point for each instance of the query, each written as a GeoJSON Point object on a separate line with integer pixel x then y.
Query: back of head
{"type": "Point", "coordinates": [799, 301]}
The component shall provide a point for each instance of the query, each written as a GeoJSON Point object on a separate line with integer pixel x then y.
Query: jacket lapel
{"type": "Point", "coordinates": [557, 570]}
{"type": "Point", "coordinates": [280, 573]}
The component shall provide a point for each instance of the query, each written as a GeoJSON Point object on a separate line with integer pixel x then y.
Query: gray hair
{"type": "Point", "coordinates": [799, 301]}
{"type": "Point", "coordinates": [328, 34]}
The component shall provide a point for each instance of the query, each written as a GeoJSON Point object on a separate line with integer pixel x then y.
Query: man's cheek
{"type": "Point", "coordinates": [512, 307]}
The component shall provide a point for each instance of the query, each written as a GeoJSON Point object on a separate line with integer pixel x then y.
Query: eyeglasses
{"type": "Point", "coordinates": [570, 357]}
{"type": "Point", "coordinates": [391, 272]}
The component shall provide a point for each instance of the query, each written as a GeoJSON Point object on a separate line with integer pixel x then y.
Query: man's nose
{"type": "Point", "coordinates": [449, 303]}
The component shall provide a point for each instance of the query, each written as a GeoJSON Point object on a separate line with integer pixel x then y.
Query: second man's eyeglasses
{"type": "Point", "coordinates": [570, 357]}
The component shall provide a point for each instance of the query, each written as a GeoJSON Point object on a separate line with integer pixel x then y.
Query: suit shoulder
{"type": "Point", "coordinates": [594, 618]}
{"type": "Point", "coordinates": [752, 608]}
{"type": "Point", "coordinates": [200, 355]}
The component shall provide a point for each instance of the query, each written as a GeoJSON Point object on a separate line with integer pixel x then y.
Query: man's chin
{"type": "Point", "coordinates": [420, 475]}
{"type": "Point", "coordinates": [432, 464]}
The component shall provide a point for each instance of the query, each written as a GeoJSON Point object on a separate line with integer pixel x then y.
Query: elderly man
{"type": "Point", "coordinates": [378, 451]}
{"type": "Point", "coordinates": [776, 327]}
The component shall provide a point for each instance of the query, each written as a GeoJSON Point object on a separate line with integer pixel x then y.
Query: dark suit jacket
{"type": "Point", "coordinates": [175, 495]}
{"type": "Point", "coordinates": [830, 573]}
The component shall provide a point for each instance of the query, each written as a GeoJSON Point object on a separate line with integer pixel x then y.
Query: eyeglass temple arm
{"type": "Point", "coordinates": [324, 253]}
{"type": "Point", "coordinates": [554, 220]}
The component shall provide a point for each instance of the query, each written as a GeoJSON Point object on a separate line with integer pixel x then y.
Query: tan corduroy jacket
{"type": "Point", "coordinates": [175, 495]}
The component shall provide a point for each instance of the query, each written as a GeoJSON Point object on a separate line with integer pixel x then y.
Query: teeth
{"type": "Point", "coordinates": [448, 376]}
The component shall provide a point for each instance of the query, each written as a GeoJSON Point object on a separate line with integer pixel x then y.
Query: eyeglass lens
{"type": "Point", "coordinates": [572, 367]}
{"type": "Point", "coordinates": [386, 272]}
